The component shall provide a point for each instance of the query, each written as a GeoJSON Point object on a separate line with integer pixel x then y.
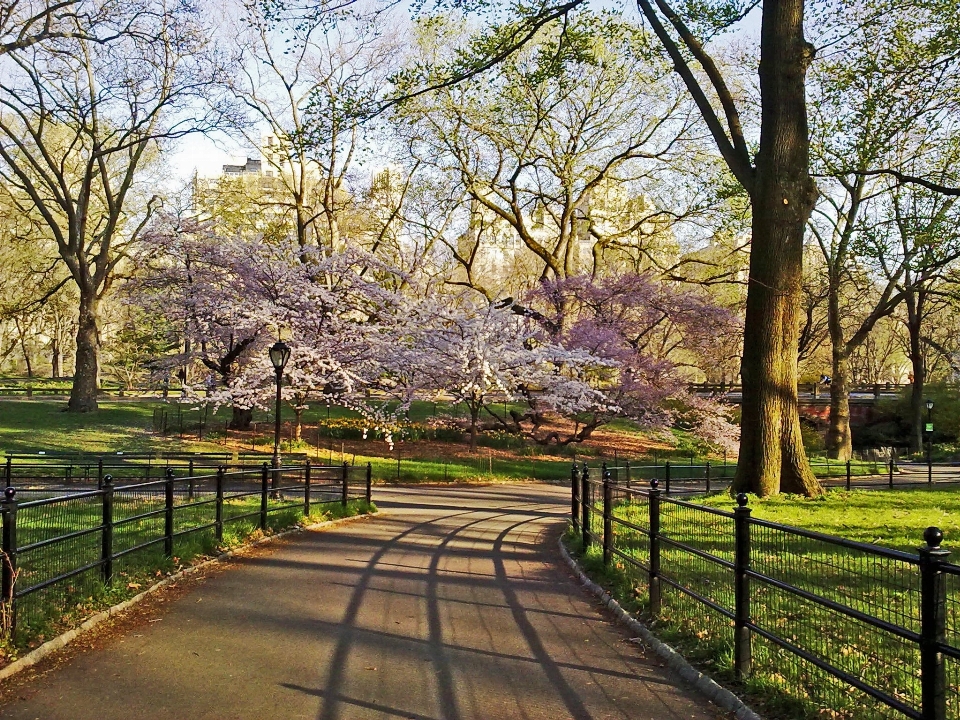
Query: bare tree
{"type": "Point", "coordinates": [24, 23]}
{"type": "Point", "coordinates": [308, 80]}
{"type": "Point", "coordinates": [81, 122]}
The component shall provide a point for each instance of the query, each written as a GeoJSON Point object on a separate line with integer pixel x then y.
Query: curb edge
{"type": "Point", "coordinates": [709, 688]}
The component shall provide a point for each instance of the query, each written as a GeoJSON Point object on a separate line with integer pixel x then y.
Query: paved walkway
{"type": "Point", "coordinates": [451, 605]}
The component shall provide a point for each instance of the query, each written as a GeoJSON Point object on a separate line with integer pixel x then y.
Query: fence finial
{"type": "Point", "coordinates": [933, 536]}
{"type": "Point", "coordinates": [170, 473]}
{"type": "Point", "coordinates": [742, 499]}
{"type": "Point", "coordinates": [654, 484]}
{"type": "Point", "coordinates": [9, 494]}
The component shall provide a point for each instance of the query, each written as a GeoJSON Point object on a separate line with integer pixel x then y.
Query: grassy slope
{"type": "Point", "coordinates": [28, 426]}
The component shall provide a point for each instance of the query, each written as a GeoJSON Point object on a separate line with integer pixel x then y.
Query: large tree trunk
{"type": "Point", "coordinates": [771, 449]}
{"type": "Point", "coordinates": [86, 375]}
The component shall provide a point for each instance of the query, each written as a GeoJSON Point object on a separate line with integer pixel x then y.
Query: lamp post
{"type": "Point", "coordinates": [279, 354]}
{"type": "Point", "coordinates": [929, 433]}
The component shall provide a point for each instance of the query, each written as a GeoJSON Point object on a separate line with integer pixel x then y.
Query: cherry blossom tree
{"type": "Point", "coordinates": [478, 354]}
{"type": "Point", "coordinates": [654, 333]}
{"type": "Point", "coordinates": [232, 297]}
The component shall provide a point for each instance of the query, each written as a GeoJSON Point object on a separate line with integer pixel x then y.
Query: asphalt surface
{"type": "Point", "coordinates": [453, 604]}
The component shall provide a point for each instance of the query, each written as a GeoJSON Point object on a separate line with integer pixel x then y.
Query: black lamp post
{"type": "Point", "coordinates": [279, 354]}
{"type": "Point", "coordinates": [929, 433]}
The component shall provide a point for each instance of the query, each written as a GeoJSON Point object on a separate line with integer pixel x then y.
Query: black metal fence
{"type": "Point", "coordinates": [840, 628]}
{"type": "Point", "coordinates": [53, 469]}
{"type": "Point", "coordinates": [683, 477]}
{"type": "Point", "coordinates": [59, 548]}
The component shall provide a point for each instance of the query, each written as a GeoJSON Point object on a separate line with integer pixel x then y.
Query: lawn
{"type": "Point", "coordinates": [28, 426]}
{"type": "Point", "coordinates": [892, 518]}
{"type": "Point", "coordinates": [330, 435]}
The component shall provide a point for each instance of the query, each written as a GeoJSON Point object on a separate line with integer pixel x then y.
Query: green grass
{"type": "Point", "coordinates": [892, 518]}
{"type": "Point", "coordinates": [27, 426]}
{"type": "Point", "coordinates": [482, 468]}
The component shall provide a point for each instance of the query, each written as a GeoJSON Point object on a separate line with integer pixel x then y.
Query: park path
{"type": "Point", "coordinates": [451, 605]}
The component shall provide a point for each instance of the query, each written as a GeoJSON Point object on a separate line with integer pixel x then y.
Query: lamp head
{"type": "Point", "coordinates": [929, 405]}
{"type": "Point", "coordinates": [279, 354]}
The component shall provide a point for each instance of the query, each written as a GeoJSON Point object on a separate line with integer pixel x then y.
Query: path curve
{"type": "Point", "coordinates": [452, 605]}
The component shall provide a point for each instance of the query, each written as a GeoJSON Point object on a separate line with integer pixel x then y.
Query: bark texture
{"type": "Point", "coordinates": [839, 440]}
{"type": "Point", "coordinates": [86, 376]}
{"type": "Point", "coordinates": [915, 302]}
{"type": "Point", "coordinates": [783, 194]}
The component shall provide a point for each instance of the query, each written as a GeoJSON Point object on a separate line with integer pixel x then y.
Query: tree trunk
{"type": "Point", "coordinates": [241, 418]}
{"type": "Point", "coordinates": [919, 372]}
{"type": "Point", "coordinates": [26, 358]}
{"type": "Point", "coordinates": [474, 421]}
{"type": "Point", "coordinates": [22, 336]}
{"type": "Point", "coordinates": [839, 439]}
{"type": "Point", "coordinates": [839, 443]}
{"type": "Point", "coordinates": [55, 359]}
{"type": "Point", "coordinates": [771, 448]}
{"type": "Point", "coordinates": [86, 375]}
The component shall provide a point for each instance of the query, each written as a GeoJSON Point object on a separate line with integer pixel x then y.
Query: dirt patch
{"type": "Point", "coordinates": [602, 443]}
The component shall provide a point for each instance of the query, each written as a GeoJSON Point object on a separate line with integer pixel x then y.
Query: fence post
{"type": "Point", "coordinates": [346, 485]}
{"type": "Point", "coordinates": [218, 521]}
{"type": "Point", "coordinates": [891, 468]}
{"type": "Point", "coordinates": [8, 560]}
{"type": "Point", "coordinates": [666, 477]}
{"type": "Point", "coordinates": [627, 471]}
{"type": "Point", "coordinates": [708, 475]}
{"type": "Point", "coordinates": [190, 475]}
{"type": "Point", "coordinates": [848, 474]}
{"type": "Point", "coordinates": [106, 545]}
{"type": "Point", "coordinates": [306, 489]}
{"type": "Point", "coordinates": [99, 473]}
{"type": "Point", "coordinates": [742, 656]}
{"type": "Point", "coordinates": [933, 626]}
{"type": "Point", "coordinates": [575, 494]}
{"type": "Point", "coordinates": [585, 507]}
{"type": "Point", "coordinates": [653, 576]}
{"type": "Point", "coordinates": [607, 519]}
{"type": "Point", "coordinates": [8, 474]}
{"type": "Point", "coordinates": [369, 483]}
{"type": "Point", "coordinates": [264, 487]}
{"type": "Point", "coordinates": [168, 514]}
